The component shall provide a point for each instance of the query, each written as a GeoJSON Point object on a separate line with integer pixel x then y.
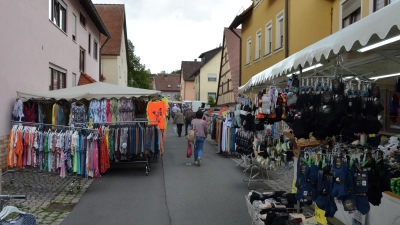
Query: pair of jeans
{"type": "Point", "coordinates": [187, 123]}
{"type": "Point", "coordinates": [198, 148]}
{"type": "Point", "coordinates": [179, 126]}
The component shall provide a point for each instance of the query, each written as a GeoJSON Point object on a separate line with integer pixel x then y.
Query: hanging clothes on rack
{"type": "Point", "coordinates": [78, 114]}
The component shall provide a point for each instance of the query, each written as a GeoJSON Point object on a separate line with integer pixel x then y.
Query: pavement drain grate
{"type": "Point", "coordinates": [61, 207]}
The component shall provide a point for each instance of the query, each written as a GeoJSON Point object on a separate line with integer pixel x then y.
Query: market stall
{"type": "Point", "coordinates": [84, 129]}
{"type": "Point", "coordinates": [339, 98]}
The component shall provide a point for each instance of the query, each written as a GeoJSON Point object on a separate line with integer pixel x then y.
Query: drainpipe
{"type": "Point", "coordinates": [108, 38]}
{"type": "Point", "coordinates": [286, 28]}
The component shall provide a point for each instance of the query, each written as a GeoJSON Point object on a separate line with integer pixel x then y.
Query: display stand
{"type": "Point", "coordinates": [145, 159]}
{"type": "Point", "coordinates": [251, 163]}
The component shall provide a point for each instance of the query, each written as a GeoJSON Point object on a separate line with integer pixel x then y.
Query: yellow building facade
{"type": "Point", "coordinates": [206, 79]}
{"type": "Point", "coordinates": [276, 29]}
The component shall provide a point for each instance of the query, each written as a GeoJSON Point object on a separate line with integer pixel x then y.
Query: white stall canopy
{"type": "Point", "coordinates": [96, 90]}
{"type": "Point", "coordinates": [383, 24]}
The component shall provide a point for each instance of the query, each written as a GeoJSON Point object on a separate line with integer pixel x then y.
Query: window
{"type": "Point", "coordinates": [73, 27]}
{"type": "Point", "coordinates": [378, 4]}
{"type": "Point", "coordinates": [258, 45]}
{"type": "Point", "coordinates": [279, 31]}
{"type": "Point", "coordinates": [73, 79]}
{"type": "Point", "coordinates": [169, 85]}
{"type": "Point", "coordinates": [248, 51]}
{"type": "Point", "coordinates": [81, 60]}
{"type": "Point", "coordinates": [95, 50]}
{"type": "Point", "coordinates": [212, 77]}
{"type": "Point", "coordinates": [268, 39]}
{"type": "Point", "coordinates": [178, 85]}
{"type": "Point", "coordinates": [212, 94]}
{"type": "Point", "coordinates": [82, 19]}
{"type": "Point", "coordinates": [90, 43]}
{"type": "Point", "coordinates": [352, 18]}
{"type": "Point", "coordinates": [351, 12]}
{"type": "Point", "coordinates": [57, 79]}
{"type": "Point", "coordinates": [58, 14]}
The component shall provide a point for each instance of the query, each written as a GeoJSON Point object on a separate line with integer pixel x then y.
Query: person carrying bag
{"type": "Point", "coordinates": [191, 135]}
{"type": "Point", "coordinates": [198, 136]}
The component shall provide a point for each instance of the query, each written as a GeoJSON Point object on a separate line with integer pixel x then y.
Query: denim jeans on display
{"type": "Point", "coordinates": [198, 149]}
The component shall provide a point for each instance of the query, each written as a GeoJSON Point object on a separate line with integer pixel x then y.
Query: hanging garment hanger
{"type": "Point", "coordinates": [8, 210]}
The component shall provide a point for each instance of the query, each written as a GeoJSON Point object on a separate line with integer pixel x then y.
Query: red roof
{"type": "Point", "coordinates": [163, 80]}
{"type": "Point", "coordinates": [113, 16]}
{"type": "Point", "coordinates": [85, 79]}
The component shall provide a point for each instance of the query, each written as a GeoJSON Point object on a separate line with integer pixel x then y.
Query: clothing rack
{"type": "Point", "coordinates": [121, 122]}
{"type": "Point", "coordinates": [53, 125]}
{"type": "Point", "coordinates": [146, 159]}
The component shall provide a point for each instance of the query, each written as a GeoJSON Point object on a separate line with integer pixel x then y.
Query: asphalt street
{"type": "Point", "coordinates": [176, 192]}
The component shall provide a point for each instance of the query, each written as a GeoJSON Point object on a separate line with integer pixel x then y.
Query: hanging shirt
{"type": "Point", "coordinates": [78, 115]}
{"type": "Point", "coordinates": [156, 112]}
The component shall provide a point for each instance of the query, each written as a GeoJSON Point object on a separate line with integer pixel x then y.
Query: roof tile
{"type": "Point", "coordinates": [162, 81]}
{"type": "Point", "coordinates": [113, 16]}
{"type": "Point", "coordinates": [85, 79]}
{"type": "Point", "coordinates": [188, 68]}
{"type": "Point", "coordinates": [233, 47]}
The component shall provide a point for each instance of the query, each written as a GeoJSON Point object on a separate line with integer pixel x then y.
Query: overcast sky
{"type": "Point", "coordinates": [166, 32]}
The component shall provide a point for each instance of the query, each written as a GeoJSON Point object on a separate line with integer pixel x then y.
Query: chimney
{"type": "Point", "coordinates": [195, 60]}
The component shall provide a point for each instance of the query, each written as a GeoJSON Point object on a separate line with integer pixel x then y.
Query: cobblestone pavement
{"type": "Point", "coordinates": [48, 197]}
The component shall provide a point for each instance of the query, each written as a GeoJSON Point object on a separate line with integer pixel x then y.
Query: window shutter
{"type": "Point", "coordinates": [349, 7]}
{"type": "Point", "coordinates": [55, 67]}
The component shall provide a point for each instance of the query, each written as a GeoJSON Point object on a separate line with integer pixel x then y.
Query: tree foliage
{"type": "Point", "coordinates": [211, 101]}
{"type": "Point", "coordinates": [176, 72]}
{"type": "Point", "coordinates": [177, 97]}
{"type": "Point", "coordinates": [138, 75]}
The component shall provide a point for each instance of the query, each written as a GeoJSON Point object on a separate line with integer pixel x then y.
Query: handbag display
{"type": "Point", "coordinates": [189, 150]}
{"type": "Point", "coordinates": [191, 134]}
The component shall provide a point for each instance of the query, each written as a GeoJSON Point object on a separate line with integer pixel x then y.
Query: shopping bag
{"type": "Point", "coordinates": [175, 129]}
{"type": "Point", "coordinates": [189, 150]}
{"type": "Point", "coordinates": [191, 134]}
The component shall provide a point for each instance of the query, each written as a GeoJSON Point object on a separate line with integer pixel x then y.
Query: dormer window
{"type": "Point", "coordinates": [169, 85]}
{"type": "Point", "coordinates": [178, 85]}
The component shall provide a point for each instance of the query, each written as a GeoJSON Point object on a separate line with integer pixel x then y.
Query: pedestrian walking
{"type": "Point", "coordinates": [189, 115]}
{"type": "Point", "coordinates": [179, 121]}
{"type": "Point", "coordinates": [200, 131]}
{"type": "Point", "coordinates": [174, 110]}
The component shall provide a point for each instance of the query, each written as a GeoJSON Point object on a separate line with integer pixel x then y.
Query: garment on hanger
{"type": "Point", "coordinates": [18, 111]}
{"type": "Point", "coordinates": [78, 115]}
{"type": "Point", "coordinates": [156, 111]}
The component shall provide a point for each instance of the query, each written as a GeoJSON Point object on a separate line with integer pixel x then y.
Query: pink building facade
{"type": "Point", "coordinates": [45, 45]}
